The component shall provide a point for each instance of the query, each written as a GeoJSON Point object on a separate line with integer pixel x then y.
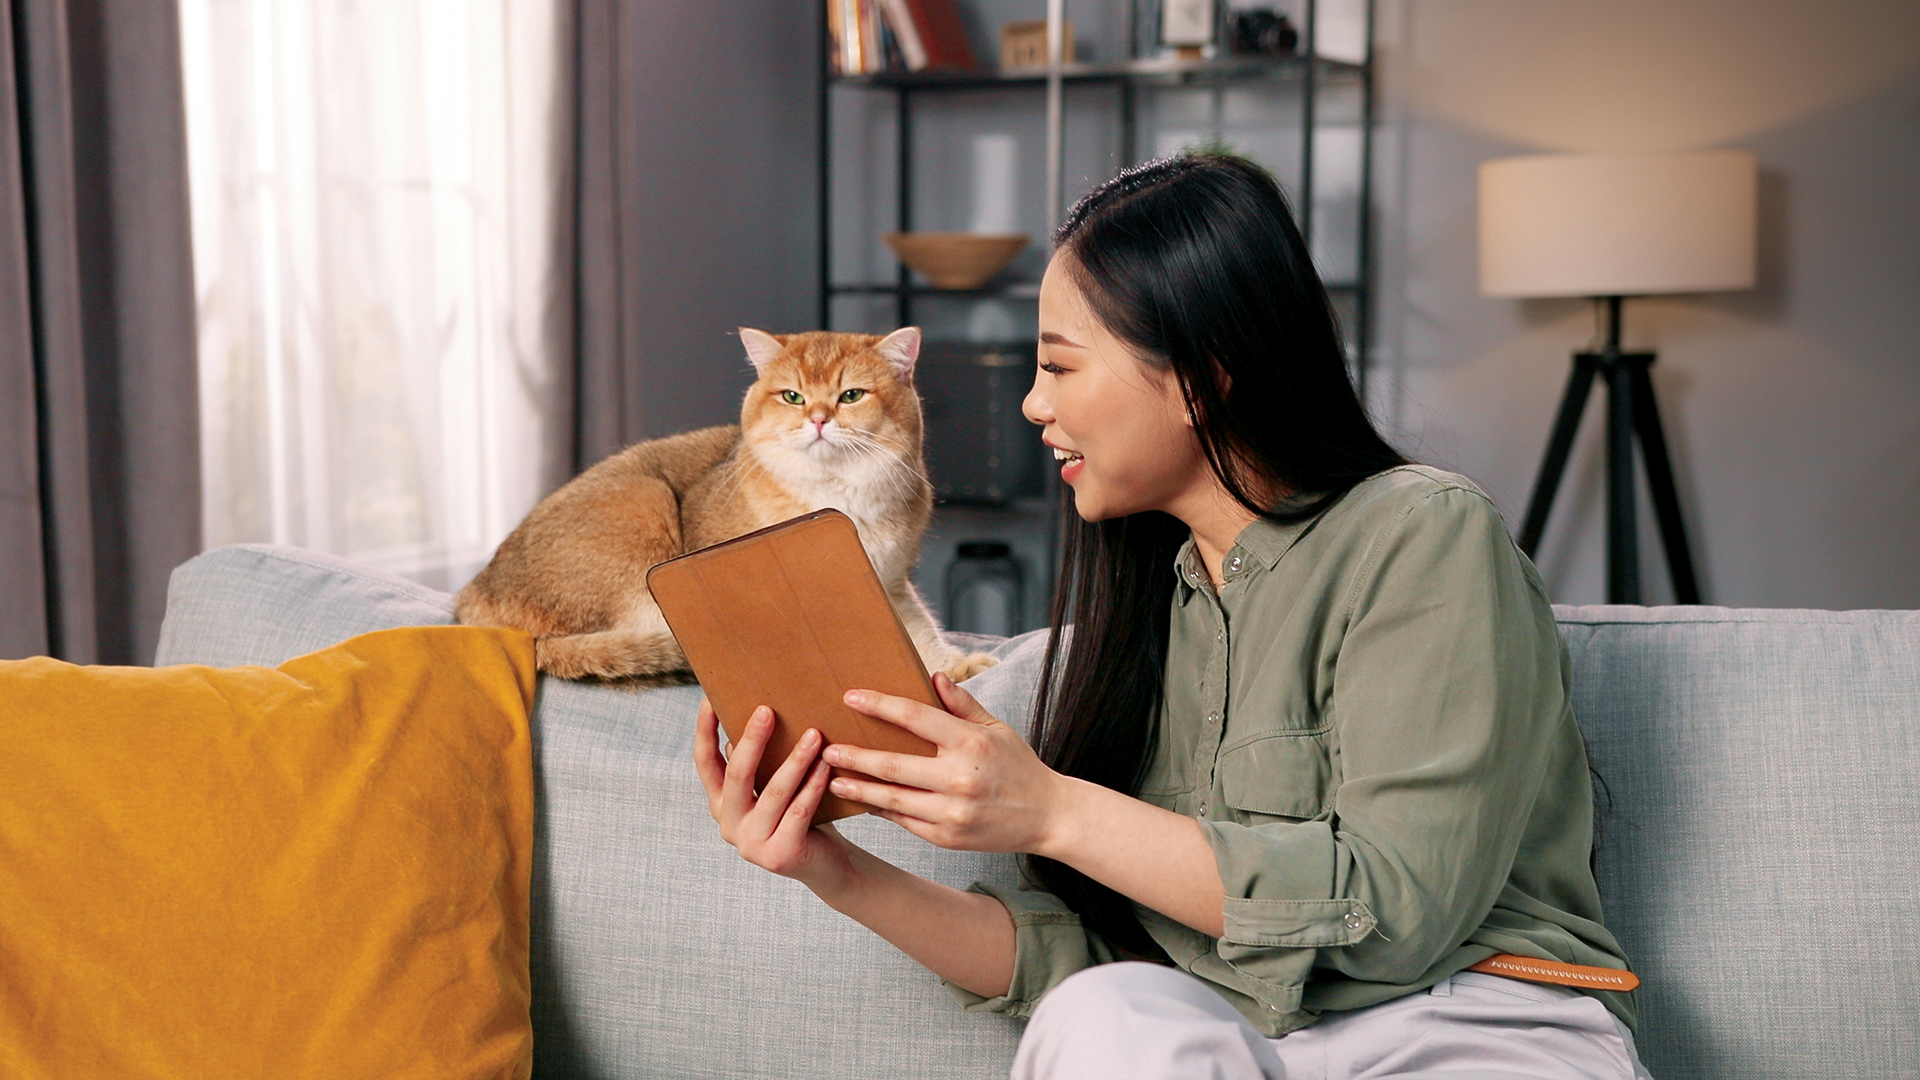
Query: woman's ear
{"type": "Point", "coordinates": [901, 349]}
{"type": "Point", "coordinates": [761, 346]}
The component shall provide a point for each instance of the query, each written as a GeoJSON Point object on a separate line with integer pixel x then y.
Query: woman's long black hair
{"type": "Point", "coordinates": [1195, 262]}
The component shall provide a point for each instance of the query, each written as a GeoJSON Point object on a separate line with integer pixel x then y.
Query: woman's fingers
{"type": "Point", "coordinates": [744, 764]}
{"type": "Point", "coordinates": [706, 755]}
{"type": "Point", "coordinates": [794, 824]}
{"type": "Point", "coordinates": [937, 726]}
{"type": "Point", "coordinates": [912, 770]}
{"type": "Point", "coordinates": [932, 834]}
{"type": "Point", "coordinates": [959, 702]}
{"type": "Point", "coordinates": [786, 780]}
{"type": "Point", "coordinates": [901, 800]}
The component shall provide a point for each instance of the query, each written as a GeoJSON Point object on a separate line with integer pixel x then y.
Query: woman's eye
{"type": "Point", "coordinates": [852, 396]}
{"type": "Point", "coordinates": [792, 397]}
{"type": "Point", "coordinates": [1053, 369]}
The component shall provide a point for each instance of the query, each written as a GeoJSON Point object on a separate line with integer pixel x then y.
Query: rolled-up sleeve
{"type": "Point", "coordinates": [1445, 685]}
{"type": "Point", "coordinates": [1049, 945]}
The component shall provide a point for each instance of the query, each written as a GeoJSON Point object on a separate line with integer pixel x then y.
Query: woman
{"type": "Point", "coordinates": [1308, 750]}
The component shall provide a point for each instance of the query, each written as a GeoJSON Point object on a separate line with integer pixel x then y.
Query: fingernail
{"type": "Point", "coordinates": [831, 755]}
{"type": "Point", "coordinates": [810, 738]}
{"type": "Point", "coordinates": [856, 697]}
{"type": "Point", "coordinates": [763, 715]}
{"type": "Point", "coordinates": [840, 787]}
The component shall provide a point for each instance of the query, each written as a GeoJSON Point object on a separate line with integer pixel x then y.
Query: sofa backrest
{"type": "Point", "coordinates": [1759, 857]}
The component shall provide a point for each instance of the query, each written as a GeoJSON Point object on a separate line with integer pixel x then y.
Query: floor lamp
{"type": "Point", "coordinates": [1611, 227]}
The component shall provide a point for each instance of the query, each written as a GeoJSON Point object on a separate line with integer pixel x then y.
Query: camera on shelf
{"type": "Point", "coordinates": [1263, 32]}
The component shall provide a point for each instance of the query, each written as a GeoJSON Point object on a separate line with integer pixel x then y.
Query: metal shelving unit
{"type": "Point", "coordinates": [1129, 78]}
{"type": "Point", "coordinates": [1326, 92]}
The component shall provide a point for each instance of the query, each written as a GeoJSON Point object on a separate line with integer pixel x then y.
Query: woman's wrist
{"type": "Point", "coordinates": [1063, 826]}
{"type": "Point", "coordinates": [834, 880]}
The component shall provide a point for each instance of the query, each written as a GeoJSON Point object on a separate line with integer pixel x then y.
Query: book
{"type": "Point", "coordinates": [872, 54]}
{"type": "Point", "coordinates": [849, 37]}
{"type": "Point", "coordinates": [891, 56]}
{"type": "Point", "coordinates": [836, 39]}
{"type": "Point", "coordinates": [943, 35]}
{"type": "Point", "coordinates": [792, 617]}
{"type": "Point", "coordinates": [900, 19]}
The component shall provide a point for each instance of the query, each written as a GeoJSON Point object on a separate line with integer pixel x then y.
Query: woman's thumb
{"type": "Point", "coordinates": [958, 701]}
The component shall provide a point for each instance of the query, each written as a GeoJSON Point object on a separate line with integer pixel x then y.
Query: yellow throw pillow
{"type": "Point", "coordinates": [319, 870]}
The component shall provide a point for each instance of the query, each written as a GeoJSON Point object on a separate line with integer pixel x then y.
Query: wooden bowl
{"type": "Point", "coordinates": [956, 260]}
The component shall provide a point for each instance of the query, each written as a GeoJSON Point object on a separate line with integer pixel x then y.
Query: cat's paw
{"type": "Point", "coordinates": [968, 666]}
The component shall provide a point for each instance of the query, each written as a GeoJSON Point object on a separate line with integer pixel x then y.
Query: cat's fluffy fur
{"type": "Point", "coordinates": [574, 574]}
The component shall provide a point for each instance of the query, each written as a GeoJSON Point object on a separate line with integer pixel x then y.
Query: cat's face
{"type": "Point", "coordinates": [833, 403]}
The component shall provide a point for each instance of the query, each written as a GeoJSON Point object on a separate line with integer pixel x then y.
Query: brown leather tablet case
{"type": "Point", "coordinates": [792, 617]}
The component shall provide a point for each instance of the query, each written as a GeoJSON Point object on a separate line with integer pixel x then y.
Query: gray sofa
{"type": "Point", "coordinates": [1760, 852]}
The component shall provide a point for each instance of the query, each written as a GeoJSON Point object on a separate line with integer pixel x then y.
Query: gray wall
{"type": "Point", "coordinates": [1795, 407]}
{"type": "Point", "coordinates": [724, 139]}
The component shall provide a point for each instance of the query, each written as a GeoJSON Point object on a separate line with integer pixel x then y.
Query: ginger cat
{"type": "Point", "coordinates": [832, 421]}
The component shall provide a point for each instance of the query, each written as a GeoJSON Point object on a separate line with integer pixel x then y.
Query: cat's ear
{"type": "Point", "coordinates": [762, 347]}
{"type": "Point", "coordinates": [901, 349]}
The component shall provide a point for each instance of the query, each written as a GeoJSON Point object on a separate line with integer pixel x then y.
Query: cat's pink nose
{"type": "Point", "coordinates": [819, 425]}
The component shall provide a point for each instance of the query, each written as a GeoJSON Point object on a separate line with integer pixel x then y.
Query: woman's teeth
{"type": "Point", "coordinates": [1065, 455]}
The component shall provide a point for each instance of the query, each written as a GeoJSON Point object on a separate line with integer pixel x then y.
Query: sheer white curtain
{"type": "Point", "coordinates": [383, 315]}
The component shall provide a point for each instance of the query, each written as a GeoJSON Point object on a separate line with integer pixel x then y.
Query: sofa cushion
{"type": "Point", "coordinates": [1760, 853]}
{"type": "Point", "coordinates": [248, 872]}
{"type": "Point", "coordinates": [657, 951]}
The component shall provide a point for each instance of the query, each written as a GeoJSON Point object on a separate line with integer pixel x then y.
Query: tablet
{"type": "Point", "coordinates": [792, 617]}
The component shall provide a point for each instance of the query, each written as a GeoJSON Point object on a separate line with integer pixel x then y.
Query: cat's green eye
{"type": "Point", "coordinates": [792, 397]}
{"type": "Point", "coordinates": [852, 396]}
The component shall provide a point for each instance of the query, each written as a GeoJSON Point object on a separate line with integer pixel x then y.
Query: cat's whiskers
{"type": "Point", "coordinates": [914, 487]}
{"type": "Point", "coordinates": [736, 472]}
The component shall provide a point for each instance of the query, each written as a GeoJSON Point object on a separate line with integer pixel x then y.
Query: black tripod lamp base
{"type": "Point", "coordinates": [1631, 415]}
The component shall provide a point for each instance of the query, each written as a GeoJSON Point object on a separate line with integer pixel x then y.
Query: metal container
{"type": "Point", "coordinates": [980, 449]}
{"type": "Point", "coordinates": [986, 589]}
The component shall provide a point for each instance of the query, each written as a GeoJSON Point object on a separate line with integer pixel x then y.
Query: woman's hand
{"type": "Point", "coordinates": [963, 936]}
{"type": "Point", "coordinates": [985, 790]}
{"type": "Point", "coordinates": [772, 830]}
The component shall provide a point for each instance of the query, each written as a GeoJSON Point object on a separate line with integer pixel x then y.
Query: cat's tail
{"type": "Point", "coordinates": [608, 654]}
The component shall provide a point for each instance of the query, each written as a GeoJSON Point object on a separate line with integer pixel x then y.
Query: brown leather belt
{"type": "Point", "coordinates": [1553, 971]}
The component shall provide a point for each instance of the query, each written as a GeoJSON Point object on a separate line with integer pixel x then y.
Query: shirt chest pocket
{"type": "Point", "coordinates": [1285, 775]}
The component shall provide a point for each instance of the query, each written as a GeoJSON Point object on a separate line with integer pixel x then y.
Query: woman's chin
{"type": "Point", "coordinates": [1091, 507]}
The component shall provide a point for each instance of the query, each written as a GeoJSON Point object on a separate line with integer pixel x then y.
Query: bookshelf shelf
{"type": "Point", "coordinates": [1008, 290]}
{"type": "Point", "coordinates": [1322, 94]}
{"type": "Point", "coordinates": [1145, 71]}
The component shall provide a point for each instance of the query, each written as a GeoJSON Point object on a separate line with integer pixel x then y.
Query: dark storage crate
{"type": "Point", "coordinates": [980, 449]}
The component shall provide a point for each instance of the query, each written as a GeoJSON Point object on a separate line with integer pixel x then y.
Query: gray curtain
{"type": "Point", "coordinates": [99, 440]}
{"type": "Point", "coordinates": [696, 212]}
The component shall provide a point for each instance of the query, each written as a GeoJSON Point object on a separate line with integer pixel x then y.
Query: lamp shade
{"type": "Point", "coordinates": [1592, 225]}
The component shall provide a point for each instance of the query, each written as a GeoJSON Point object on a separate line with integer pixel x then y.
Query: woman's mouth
{"type": "Point", "coordinates": [1071, 463]}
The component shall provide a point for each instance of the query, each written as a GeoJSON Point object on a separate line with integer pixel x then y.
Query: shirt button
{"type": "Point", "coordinates": [1213, 718]}
{"type": "Point", "coordinates": [1233, 563]}
{"type": "Point", "coordinates": [1354, 921]}
{"type": "Point", "coordinates": [1219, 635]}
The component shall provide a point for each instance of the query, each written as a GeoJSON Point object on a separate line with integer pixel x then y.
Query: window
{"type": "Point", "coordinates": [383, 310]}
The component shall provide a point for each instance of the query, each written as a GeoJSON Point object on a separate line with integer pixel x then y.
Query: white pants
{"type": "Point", "coordinates": [1148, 1022]}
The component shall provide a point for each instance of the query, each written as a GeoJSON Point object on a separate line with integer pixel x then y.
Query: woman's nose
{"type": "Point", "coordinates": [1036, 407]}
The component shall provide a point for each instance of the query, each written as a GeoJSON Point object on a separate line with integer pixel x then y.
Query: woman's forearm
{"type": "Point", "coordinates": [963, 937]}
{"type": "Point", "coordinates": [1154, 856]}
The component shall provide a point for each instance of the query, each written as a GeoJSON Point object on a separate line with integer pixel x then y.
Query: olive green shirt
{"type": "Point", "coordinates": [1372, 721]}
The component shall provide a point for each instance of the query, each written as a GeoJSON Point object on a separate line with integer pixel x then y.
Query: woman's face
{"type": "Point", "coordinates": [1122, 420]}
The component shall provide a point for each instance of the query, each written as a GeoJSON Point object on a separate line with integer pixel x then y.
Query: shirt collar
{"type": "Point", "coordinates": [1258, 547]}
